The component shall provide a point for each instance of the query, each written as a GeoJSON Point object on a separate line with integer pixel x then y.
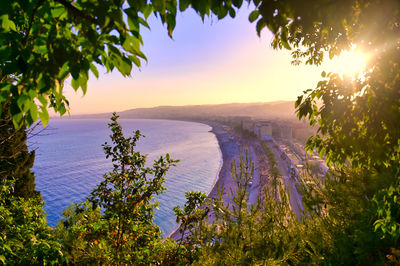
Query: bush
{"type": "Point", "coordinates": [25, 238]}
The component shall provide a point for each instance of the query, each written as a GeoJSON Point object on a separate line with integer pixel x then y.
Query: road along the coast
{"type": "Point", "coordinates": [289, 180]}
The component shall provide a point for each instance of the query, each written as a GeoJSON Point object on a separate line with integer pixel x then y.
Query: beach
{"type": "Point", "coordinates": [232, 145]}
{"type": "Point", "coordinates": [230, 151]}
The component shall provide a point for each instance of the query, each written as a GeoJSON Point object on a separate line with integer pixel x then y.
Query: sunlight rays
{"type": "Point", "coordinates": [350, 63]}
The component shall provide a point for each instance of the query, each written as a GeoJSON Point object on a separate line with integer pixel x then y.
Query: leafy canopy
{"type": "Point", "coordinates": [42, 43]}
{"type": "Point", "coordinates": [45, 42]}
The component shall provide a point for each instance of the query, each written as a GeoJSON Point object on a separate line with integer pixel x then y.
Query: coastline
{"type": "Point", "coordinates": [217, 176]}
{"type": "Point", "coordinates": [230, 151]}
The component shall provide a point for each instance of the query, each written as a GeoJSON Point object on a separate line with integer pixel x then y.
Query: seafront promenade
{"type": "Point", "coordinates": [233, 144]}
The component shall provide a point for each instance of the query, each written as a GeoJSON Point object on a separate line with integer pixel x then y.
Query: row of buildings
{"type": "Point", "coordinates": [281, 129]}
{"type": "Point", "coordinates": [291, 149]}
{"type": "Point", "coordinates": [266, 130]}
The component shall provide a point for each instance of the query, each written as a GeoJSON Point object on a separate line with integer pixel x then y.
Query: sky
{"type": "Point", "coordinates": [210, 62]}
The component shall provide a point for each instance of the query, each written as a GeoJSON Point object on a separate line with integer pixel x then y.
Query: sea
{"type": "Point", "coordinates": [70, 161]}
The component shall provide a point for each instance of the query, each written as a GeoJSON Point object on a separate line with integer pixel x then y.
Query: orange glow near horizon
{"type": "Point", "coordinates": [257, 74]}
{"type": "Point", "coordinates": [206, 68]}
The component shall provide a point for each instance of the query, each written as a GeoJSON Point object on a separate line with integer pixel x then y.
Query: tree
{"type": "Point", "coordinates": [115, 225]}
{"type": "Point", "coordinates": [357, 116]}
{"type": "Point", "coordinates": [265, 233]}
{"type": "Point", "coordinates": [15, 159]}
{"type": "Point", "coordinates": [61, 38]}
{"type": "Point", "coordinates": [56, 39]}
{"type": "Point", "coordinates": [189, 219]}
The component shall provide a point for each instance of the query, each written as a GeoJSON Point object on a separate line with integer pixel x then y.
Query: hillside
{"type": "Point", "coordinates": [281, 109]}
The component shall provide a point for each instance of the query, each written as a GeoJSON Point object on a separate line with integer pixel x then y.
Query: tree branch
{"type": "Point", "coordinates": [32, 19]}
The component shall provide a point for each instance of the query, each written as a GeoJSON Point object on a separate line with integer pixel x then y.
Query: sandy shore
{"type": "Point", "coordinates": [230, 150]}
{"type": "Point", "coordinates": [232, 144]}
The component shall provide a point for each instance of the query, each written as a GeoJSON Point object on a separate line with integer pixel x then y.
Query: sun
{"type": "Point", "coordinates": [350, 63]}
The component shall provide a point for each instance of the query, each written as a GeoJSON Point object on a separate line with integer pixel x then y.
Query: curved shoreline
{"type": "Point", "coordinates": [174, 231]}
{"type": "Point", "coordinates": [217, 175]}
{"type": "Point", "coordinates": [229, 151]}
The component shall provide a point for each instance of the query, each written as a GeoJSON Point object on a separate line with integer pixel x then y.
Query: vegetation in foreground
{"type": "Point", "coordinates": [353, 216]}
{"type": "Point", "coordinates": [115, 223]}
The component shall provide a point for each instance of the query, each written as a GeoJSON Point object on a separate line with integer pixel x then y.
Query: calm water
{"type": "Point", "coordinates": [70, 161]}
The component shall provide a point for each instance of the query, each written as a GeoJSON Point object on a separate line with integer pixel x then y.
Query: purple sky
{"type": "Point", "coordinates": [205, 63]}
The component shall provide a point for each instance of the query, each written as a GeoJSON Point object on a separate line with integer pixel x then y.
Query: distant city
{"type": "Point", "coordinates": [272, 122]}
{"type": "Point", "coordinates": [288, 137]}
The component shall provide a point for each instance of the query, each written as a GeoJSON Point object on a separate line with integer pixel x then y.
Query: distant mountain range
{"type": "Point", "coordinates": [281, 109]}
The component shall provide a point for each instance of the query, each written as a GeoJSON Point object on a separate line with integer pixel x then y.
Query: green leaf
{"type": "Point", "coordinates": [42, 49]}
{"type": "Point", "coordinates": [44, 116]}
{"type": "Point", "coordinates": [232, 12]}
{"type": "Point", "coordinates": [147, 11]}
{"type": "Point", "coordinates": [5, 92]}
{"type": "Point", "coordinates": [144, 22]}
{"type": "Point", "coordinates": [74, 71]}
{"type": "Point", "coordinates": [131, 44]}
{"type": "Point", "coordinates": [133, 19]}
{"type": "Point", "coordinates": [133, 24]}
{"type": "Point", "coordinates": [94, 70]}
{"type": "Point", "coordinates": [58, 11]}
{"type": "Point", "coordinates": [17, 120]}
{"type": "Point", "coordinates": [254, 15]}
{"type": "Point", "coordinates": [7, 24]}
{"type": "Point", "coordinates": [171, 24]}
{"type": "Point", "coordinates": [61, 109]}
{"type": "Point", "coordinates": [83, 78]}
{"type": "Point", "coordinates": [298, 102]}
{"type": "Point", "coordinates": [159, 5]}
{"type": "Point", "coordinates": [75, 84]}
{"type": "Point", "coordinates": [24, 103]}
{"type": "Point", "coordinates": [125, 66]}
{"type": "Point", "coordinates": [284, 38]}
{"type": "Point", "coordinates": [32, 93]}
{"type": "Point", "coordinates": [42, 100]}
{"type": "Point", "coordinates": [135, 60]}
{"type": "Point", "coordinates": [183, 4]}
{"type": "Point", "coordinates": [260, 25]}
{"type": "Point", "coordinates": [64, 71]}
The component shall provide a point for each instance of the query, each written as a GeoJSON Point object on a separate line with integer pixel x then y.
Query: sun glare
{"type": "Point", "coordinates": [350, 63]}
